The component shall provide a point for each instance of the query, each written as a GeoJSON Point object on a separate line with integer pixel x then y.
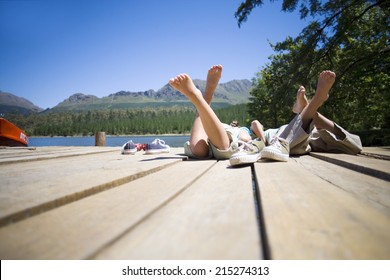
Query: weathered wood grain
{"type": "Point", "coordinates": [215, 218]}
{"type": "Point", "coordinates": [82, 228]}
{"type": "Point", "coordinates": [307, 217]}
{"type": "Point", "coordinates": [30, 188]}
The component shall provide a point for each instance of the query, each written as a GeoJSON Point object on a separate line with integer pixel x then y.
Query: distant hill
{"type": "Point", "coordinates": [226, 94]}
{"type": "Point", "coordinates": [10, 103]}
{"type": "Point", "coordinates": [230, 93]}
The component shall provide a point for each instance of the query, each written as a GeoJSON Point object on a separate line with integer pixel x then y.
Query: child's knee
{"type": "Point", "coordinates": [200, 149]}
{"type": "Point", "coordinates": [256, 124]}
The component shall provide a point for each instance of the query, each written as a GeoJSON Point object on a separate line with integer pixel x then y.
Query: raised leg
{"type": "Point", "coordinates": [322, 122]}
{"type": "Point", "coordinates": [325, 83]}
{"type": "Point", "coordinates": [207, 121]}
{"type": "Point", "coordinates": [258, 130]}
{"type": "Point", "coordinates": [198, 138]}
{"type": "Point", "coordinates": [319, 121]}
{"type": "Point", "coordinates": [301, 101]}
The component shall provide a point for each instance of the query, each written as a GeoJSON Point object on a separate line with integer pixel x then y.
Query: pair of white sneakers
{"type": "Point", "coordinates": [156, 147]}
{"type": "Point", "coordinates": [255, 150]}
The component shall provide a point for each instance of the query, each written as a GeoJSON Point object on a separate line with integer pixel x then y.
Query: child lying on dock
{"type": "Point", "coordinates": [210, 138]}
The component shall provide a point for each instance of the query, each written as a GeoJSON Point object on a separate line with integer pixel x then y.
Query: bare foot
{"type": "Point", "coordinates": [185, 85]}
{"type": "Point", "coordinates": [213, 76]}
{"type": "Point", "coordinates": [301, 101]}
{"type": "Point", "coordinates": [324, 84]}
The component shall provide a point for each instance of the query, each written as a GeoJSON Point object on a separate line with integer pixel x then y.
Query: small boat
{"type": "Point", "coordinates": [11, 135]}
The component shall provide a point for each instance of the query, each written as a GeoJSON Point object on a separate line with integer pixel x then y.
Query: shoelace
{"type": "Point", "coordinates": [156, 141]}
{"type": "Point", "coordinates": [129, 145]}
{"type": "Point", "coordinates": [276, 141]}
{"type": "Point", "coordinates": [244, 146]}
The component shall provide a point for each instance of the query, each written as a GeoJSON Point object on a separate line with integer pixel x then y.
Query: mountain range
{"type": "Point", "coordinates": [10, 103]}
{"type": "Point", "coordinates": [230, 93]}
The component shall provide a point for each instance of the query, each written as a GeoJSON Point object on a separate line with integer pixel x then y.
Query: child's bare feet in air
{"type": "Point", "coordinates": [324, 84]}
{"type": "Point", "coordinates": [185, 85]}
{"type": "Point", "coordinates": [213, 76]}
{"type": "Point", "coordinates": [301, 101]}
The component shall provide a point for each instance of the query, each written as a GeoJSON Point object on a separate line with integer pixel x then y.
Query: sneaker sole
{"type": "Point", "coordinates": [273, 155]}
{"type": "Point", "coordinates": [239, 160]}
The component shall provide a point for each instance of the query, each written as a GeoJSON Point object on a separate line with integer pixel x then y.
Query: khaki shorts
{"type": "Point", "coordinates": [214, 152]}
{"type": "Point", "coordinates": [325, 141]}
{"type": "Point", "coordinates": [302, 142]}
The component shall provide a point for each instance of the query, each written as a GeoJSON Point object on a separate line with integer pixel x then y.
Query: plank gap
{"type": "Point", "coordinates": [147, 216]}
{"type": "Point", "coordinates": [358, 168]}
{"type": "Point", "coordinates": [47, 156]}
{"type": "Point", "coordinates": [61, 201]}
{"type": "Point", "coordinates": [265, 248]}
{"type": "Point", "coordinates": [373, 155]}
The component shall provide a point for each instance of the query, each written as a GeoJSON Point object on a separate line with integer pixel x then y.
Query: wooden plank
{"type": "Point", "coordinates": [10, 155]}
{"type": "Point", "coordinates": [80, 229]}
{"type": "Point", "coordinates": [29, 188]}
{"type": "Point", "coordinates": [214, 218]}
{"type": "Point", "coordinates": [378, 152]}
{"type": "Point", "coordinates": [307, 217]}
{"type": "Point", "coordinates": [369, 166]}
{"type": "Point", "coordinates": [373, 191]}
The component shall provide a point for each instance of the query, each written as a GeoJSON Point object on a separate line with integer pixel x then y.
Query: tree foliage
{"type": "Point", "coordinates": [175, 120]}
{"type": "Point", "coordinates": [350, 37]}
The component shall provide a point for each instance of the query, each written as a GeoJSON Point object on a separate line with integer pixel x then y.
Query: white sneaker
{"type": "Point", "coordinates": [156, 147]}
{"type": "Point", "coordinates": [129, 148]}
{"type": "Point", "coordinates": [247, 153]}
{"type": "Point", "coordinates": [279, 150]}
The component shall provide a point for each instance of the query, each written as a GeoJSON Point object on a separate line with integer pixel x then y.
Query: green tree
{"type": "Point", "coordinates": [350, 37]}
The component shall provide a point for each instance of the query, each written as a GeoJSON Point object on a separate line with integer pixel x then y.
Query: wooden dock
{"type": "Point", "coordinates": [94, 203]}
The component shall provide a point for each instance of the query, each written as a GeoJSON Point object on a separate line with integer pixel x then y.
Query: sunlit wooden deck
{"type": "Point", "coordinates": [94, 203]}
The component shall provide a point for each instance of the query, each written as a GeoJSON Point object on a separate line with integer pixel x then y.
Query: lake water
{"type": "Point", "coordinates": [111, 141]}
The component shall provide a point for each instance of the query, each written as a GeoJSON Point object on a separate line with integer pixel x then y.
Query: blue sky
{"type": "Point", "coordinates": [51, 49]}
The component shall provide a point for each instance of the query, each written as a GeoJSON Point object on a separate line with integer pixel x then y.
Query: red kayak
{"type": "Point", "coordinates": [11, 135]}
